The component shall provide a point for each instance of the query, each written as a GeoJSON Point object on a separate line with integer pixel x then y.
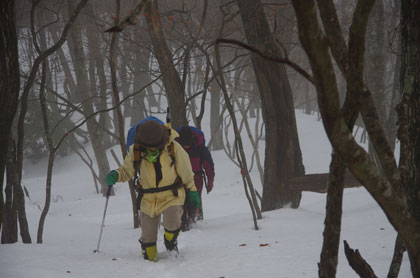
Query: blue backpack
{"type": "Point", "coordinates": [132, 131]}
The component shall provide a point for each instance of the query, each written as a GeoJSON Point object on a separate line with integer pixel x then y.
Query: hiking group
{"type": "Point", "coordinates": [167, 168]}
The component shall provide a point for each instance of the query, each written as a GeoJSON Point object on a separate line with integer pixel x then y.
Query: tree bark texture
{"type": "Point", "coordinates": [51, 154]}
{"type": "Point", "coordinates": [410, 122]}
{"type": "Point", "coordinates": [375, 63]}
{"type": "Point", "coordinates": [350, 111]}
{"type": "Point", "coordinates": [392, 121]}
{"type": "Point", "coordinates": [16, 201]}
{"type": "Point", "coordinates": [10, 229]}
{"type": "Point", "coordinates": [283, 157]}
{"type": "Point", "coordinates": [411, 99]}
{"type": "Point", "coordinates": [399, 249]}
{"type": "Point", "coordinates": [375, 67]}
{"type": "Point", "coordinates": [384, 185]}
{"type": "Point", "coordinates": [170, 77]}
{"type": "Point", "coordinates": [9, 83]}
{"type": "Point", "coordinates": [332, 222]}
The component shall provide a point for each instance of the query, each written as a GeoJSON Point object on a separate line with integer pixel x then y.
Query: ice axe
{"type": "Point", "coordinates": [108, 193]}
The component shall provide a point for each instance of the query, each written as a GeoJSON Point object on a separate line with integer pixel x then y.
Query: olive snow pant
{"type": "Point", "coordinates": [149, 225]}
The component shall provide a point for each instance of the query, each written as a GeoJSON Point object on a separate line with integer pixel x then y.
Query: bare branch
{"type": "Point", "coordinates": [268, 57]}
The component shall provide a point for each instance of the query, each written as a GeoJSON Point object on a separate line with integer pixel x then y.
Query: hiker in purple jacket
{"type": "Point", "coordinates": [202, 165]}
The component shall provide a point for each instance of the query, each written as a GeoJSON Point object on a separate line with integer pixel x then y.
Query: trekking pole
{"type": "Point", "coordinates": [108, 193]}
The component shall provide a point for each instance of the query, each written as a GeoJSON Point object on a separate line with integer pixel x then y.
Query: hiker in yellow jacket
{"type": "Point", "coordinates": [163, 169]}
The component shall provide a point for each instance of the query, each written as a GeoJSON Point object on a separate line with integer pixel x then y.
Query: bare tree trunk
{"type": "Point", "coordinates": [170, 77]}
{"type": "Point", "coordinates": [89, 163]}
{"type": "Point", "coordinates": [124, 77]}
{"type": "Point", "coordinates": [24, 99]}
{"type": "Point", "coordinates": [79, 61]}
{"type": "Point", "coordinates": [283, 158]}
{"type": "Point", "coordinates": [375, 58]}
{"type": "Point", "coordinates": [120, 118]}
{"type": "Point", "coordinates": [391, 124]}
{"type": "Point", "coordinates": [10, 230]}
{"type": "Point", "coordinates": [332, 223]}
{"type": "Point", "coordinates": [9, 84]}
{"type": "Point", "coordinates": [256, 212]}
{"type": "Point", "coordinates": [409, 118]}
{"type": "Point", "coordinates": [350, 111]}
{"type": "Point", "coordinates": [51, 155]}
{"type": "Point", "coordinates": [48, 135]}
{"type": "Point", "coordinates": [215, 130]}
{"type": "Point", "coordinates": [411, 100]}
{"type": "Point", "coordinates": [308, 98]}
{"type": "Point", "coordinates": [18, 202]}
{"type": "Point", "coordinates": [252, 88]}
{"type": "Point", "coordinates": [375, 63]}
{"type": "Point", "coordinates": [141, 77]}
{"type": "Point", "coordinates": [395, 265]}
{"type": "Point", "coordinates": [384, 186]}
{"type": "Point", "coordinates": [253, 141]}
{"type": "Point", "coordinates": [97, 55]}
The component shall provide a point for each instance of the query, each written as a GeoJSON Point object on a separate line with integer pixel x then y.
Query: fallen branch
{"type": "Point", "coordinates": [356, 261]}
{"type": "Point", "coordinates": [319, 182]}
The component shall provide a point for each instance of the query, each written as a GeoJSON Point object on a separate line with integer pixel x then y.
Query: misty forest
{"type": "Point", "coordinates": [75, 75]}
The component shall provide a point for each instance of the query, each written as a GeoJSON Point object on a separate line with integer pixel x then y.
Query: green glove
{"type": "Point", "coordinates": [194, 199]}
{"type": "Point", "coordinates": [112, 177]}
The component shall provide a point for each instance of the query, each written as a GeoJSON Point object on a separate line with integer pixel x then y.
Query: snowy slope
{"type": "Point", "coordinates": [225, 244]}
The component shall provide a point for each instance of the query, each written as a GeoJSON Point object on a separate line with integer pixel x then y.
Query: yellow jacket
{"type": "Point", "coordinates": [153, 204]}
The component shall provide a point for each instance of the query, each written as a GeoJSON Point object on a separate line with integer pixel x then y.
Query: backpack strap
{"type": "Point", "coordinates": [171, 151]}
{"type": "Point", "coordinates": [177, 184]}
{"type": "Point", "coordinates": [139, 154]}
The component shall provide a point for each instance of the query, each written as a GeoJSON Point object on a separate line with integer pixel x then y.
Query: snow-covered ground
{"type": "Point", "coordinates": [224, 244]}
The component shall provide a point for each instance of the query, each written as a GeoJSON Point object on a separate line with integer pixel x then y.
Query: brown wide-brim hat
{"type": "Point", "coordinates": [151, 134]}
